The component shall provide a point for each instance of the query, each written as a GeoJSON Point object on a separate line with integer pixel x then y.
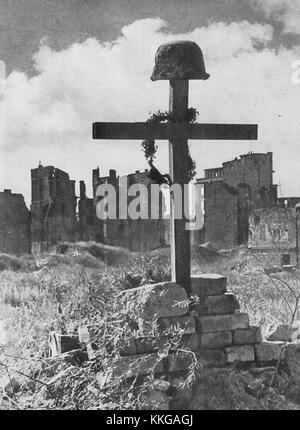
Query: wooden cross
{"type": "Point", "coordinates": [178, 135]}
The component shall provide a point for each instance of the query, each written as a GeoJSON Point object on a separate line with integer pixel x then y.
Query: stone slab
{"type": "Point", "coordinates": [185, 323]}
{"type": "Point", "coordinates": [208, 284]}
{"type": "Point", "coordinates": [219, 339]}
{"type": "Point", "coordinates": [165, 299]}
{"type": "Point", "coordinates": [223, 322]}
{"type": "Point", "coordinates": [249, 336]}
{"type": "Point", "coordinates": [268, 352]}
{"type": "Point", "coordinates": [240, 354]}
{"type": "Point", "coordinates": [217, 305]}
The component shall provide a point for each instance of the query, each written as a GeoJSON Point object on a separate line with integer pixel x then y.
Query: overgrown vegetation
{"type": "Point", "coordinates": [81, 284]}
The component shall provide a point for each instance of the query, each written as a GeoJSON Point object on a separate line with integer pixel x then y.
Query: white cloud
{"type": "Point", "coordinates": [48, 117]}
{"type": "Point", "coordinates": [285, 11]}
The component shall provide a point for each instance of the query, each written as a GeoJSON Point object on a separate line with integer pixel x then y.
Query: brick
{"type": "Point", "coordinates": [223, 322]}
{"type": "Point", "coordinates": [212, 357]}
{"type": "Point", "coordinates": [186, 323]}
{"type": "Point", "coordinates": [218, 305]}
{"type": "Point", "coordinates": [140, 365]}
{"type": "Point", "coordinates": [218, 339]}
{"type": "Point", "coordinates": [268, 351]}
{"type": "Point", "coordinates": [240, 354]}
{"type": "Point", "coordinates": [158, 300]}
{"type": "Point", "coordinates": [248, 336]}
{"type": "Point", "coordinates": [208, 285]}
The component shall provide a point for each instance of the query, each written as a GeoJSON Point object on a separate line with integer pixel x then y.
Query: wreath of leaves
{"type": "Point", "coordinates": [150, 147]}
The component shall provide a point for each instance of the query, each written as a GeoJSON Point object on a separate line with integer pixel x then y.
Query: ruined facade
{"type": "Point", "coordinates": [232, 192]}
{"type": "Point", "coordinates": [272, 233]}
{"type": "Point", "coordinates": [135, 234]}
{"type": "Point", "coordinates": [14, 223]}
{"type": "Point", "coordinates": [53, 208]}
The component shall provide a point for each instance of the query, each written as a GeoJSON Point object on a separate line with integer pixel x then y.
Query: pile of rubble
{"type": "Point", "coordinates": [214, 335]}
{"type": "Point", "coordinates": [213, 330]}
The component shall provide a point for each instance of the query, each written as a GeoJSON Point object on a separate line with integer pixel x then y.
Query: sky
{"type": "Point", "coordinates": [65, 64]}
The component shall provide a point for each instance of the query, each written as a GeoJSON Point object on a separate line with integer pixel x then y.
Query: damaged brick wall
{"type": "Point", "coordinates": [14, 223]}
{"type": "Point", "coordinates": [221, 214]}
{"type": "Point", "coordinates": [231, 192]}
{"type": "Point", "coordinates": [134, 234]}
{"type": "Point", "coordinates": [53, 208]}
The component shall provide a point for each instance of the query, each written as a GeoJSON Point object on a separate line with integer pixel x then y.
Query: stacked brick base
{"type": "Point", "coordinates": [213, 326]}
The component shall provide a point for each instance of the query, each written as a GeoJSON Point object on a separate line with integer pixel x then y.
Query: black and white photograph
{"type": "Point", "coordinates": [149, 207]}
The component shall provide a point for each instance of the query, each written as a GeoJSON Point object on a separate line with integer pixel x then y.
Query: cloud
{"type": "Point", "coordinates": [48, 116]}
{"type": "Point", "coordinates": [285, 11]}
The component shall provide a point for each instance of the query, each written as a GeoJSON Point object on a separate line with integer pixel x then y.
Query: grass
{"type": "Point", "coordinates": [78, 284]}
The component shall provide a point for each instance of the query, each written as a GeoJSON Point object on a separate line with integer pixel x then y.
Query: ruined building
{"type": "Point", "coordinates": [232, 192]}
{"type": "Point", "coordinates": [240, 206]}
{"type": "Point", "coordinates": [53, 208]}
{"type": "Point", "coordinates": [134, 234]}
{"type": "Point", "coordinates": [14, 223]}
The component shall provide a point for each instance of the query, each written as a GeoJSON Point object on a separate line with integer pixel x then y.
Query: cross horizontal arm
{"type": "Point", "coordinates": [169, 131]}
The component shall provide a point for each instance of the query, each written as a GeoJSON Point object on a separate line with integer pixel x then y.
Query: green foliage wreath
{"type": "Point", "coordinates": [150, 147]}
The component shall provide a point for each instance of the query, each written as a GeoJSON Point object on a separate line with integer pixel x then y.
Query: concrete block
{"type": "Point", "coordinates": [185, 323]}
{"type": "Point", "coordinates": [240, 354]}
{"type": "Point", "coordinates": [208, 284]}
{"type": "Point", "coordinates": [191, 341]}
{"type": "Point", "coordinates": [166, 299]}
{"type": "Point", "coordinates": [218, 305]}
{"type": "Point", "coordinates": [268, 351]}
{"type": "Point", "coordinates": [223, 322]}
{"type": "Point", "coordinates": [248, 336]}
{"type": "Point", "coordinates": [218, 339]}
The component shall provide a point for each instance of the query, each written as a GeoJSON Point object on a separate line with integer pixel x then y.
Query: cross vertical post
{"type": "Point", "coordinates": [178, 167]}
{"type": "Point", "coordinates": [177, 62]}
